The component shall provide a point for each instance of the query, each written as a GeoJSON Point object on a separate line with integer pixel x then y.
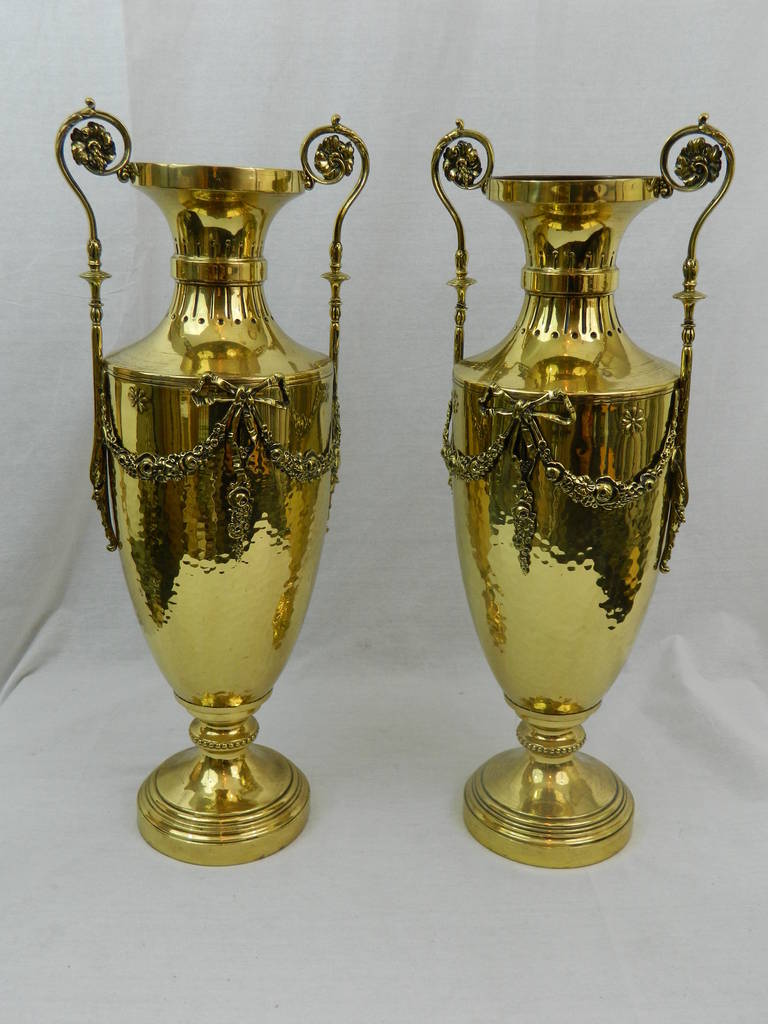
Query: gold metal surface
{"type": "Point", "coordinates": [565, 446]}
{"type": "Point", "coordinates": [216, 448]}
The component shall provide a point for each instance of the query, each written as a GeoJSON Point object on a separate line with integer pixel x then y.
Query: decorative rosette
{"type": "Point", "coordinates": [461, 164]}
{"type": "Point", "coordinates": [334, 158]}
{"type": "Point", "coordinates": [698, 162]}
{"type": "Point", "coordinates": [93, 147]}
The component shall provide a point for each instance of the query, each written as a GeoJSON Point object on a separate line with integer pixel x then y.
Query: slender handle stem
{"type": "Point", "coordinates": [334, 160]}
{"type": "Point", "coordinates": [462, 166]}
{"type": "Point", "coordinates": [92, 147]}
{"type": "Point", "coordinates": [698, 163]}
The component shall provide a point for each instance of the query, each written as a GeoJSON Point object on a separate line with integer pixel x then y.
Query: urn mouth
{"type": "Point", "coordinates": [568, 188]}
{"type": "Point", "coordinates": [212, 178]}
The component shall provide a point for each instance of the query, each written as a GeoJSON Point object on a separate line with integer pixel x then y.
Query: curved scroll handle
{"type": "Point", "coordinates": [462, 166]}
{"type": "Point", "coordinates": [698, 163]}
{"type": "Point", "coordinates": [92, 147]}
{"type": "Point", "coordinates": [333, 161]}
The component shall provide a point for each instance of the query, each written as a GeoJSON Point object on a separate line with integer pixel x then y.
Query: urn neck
{"type": "Point", "coordinates": [215, 289]}
{"type": "Point", "coordinates": [571, 228]}
{"type": "Point", "coordinates": [219, 217]}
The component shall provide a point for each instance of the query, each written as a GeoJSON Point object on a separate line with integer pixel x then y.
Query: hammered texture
{"type": "Point", "coordinates": [220, 626]}
{"type": "Point", "coordinates": [557, 636]}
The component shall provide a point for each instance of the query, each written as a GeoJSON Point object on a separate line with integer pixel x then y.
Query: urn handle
{"type": "Point", "coordinates": [92, 147]}
{"type": "Point", "coordinates": [698, 163]}
{"type": "Point", "coordinates": [461, 165]}
{"type": "Point", "coordinates": [334, 160]}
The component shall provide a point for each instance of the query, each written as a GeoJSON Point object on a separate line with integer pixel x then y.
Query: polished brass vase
{"type": "Point", "coordinates": [216, 448]}
{"type": "Point", "coordinates": [565, 446]}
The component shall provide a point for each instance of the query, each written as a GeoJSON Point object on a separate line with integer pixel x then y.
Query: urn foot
{"type": "Point", "coordinates": [217, 810]}
{"type": "Point", "coordinates": [556, 814]}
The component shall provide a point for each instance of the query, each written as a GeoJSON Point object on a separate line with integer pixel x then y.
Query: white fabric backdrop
{"type": "Point", "coordinates": [385, 909]}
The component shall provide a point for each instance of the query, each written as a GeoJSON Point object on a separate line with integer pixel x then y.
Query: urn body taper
{"type": "Point", "coordinates": [216, 448]}
{"type": "Point", "coordinates": [565, 445]}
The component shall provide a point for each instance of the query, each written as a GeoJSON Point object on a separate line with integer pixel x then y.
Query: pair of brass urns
{"type": "Point", "coordinates": [216, 449]}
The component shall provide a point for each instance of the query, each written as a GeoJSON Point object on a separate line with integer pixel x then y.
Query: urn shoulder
{"type": "Point", "coordinates": [241, 348]}
{"type": "Point", "coordinates": [530, 360]}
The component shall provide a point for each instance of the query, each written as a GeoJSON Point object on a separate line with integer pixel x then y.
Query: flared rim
{"type": "Point", "coordinates": [572, 188]}
{"type": "Point", "coordinates": [278, 180]}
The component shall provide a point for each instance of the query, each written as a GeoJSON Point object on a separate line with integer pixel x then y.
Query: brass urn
{"type": "Point", "coordinates": [565, 446]}
{"type": "Point", "coordinates": [215, 452]}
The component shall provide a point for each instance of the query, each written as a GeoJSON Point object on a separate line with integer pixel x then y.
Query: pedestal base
{"type": "Point", "coordinates": [214, 810]}
{"type": "Point", "coordinates": [557, 815]}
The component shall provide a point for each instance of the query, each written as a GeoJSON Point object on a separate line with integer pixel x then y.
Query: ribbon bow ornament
{"type": "Point", "coordinates": [528, 446]}
{"type": "Point", "coordinates": [243, 408]}
{"type": "Point", "coordinates": [242, 415]}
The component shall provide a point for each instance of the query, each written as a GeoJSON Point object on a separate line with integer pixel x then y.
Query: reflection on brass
{"type": "Point", "coordinates": [565, 446]}
{"type": "Point", "coordinates": [216, 448]}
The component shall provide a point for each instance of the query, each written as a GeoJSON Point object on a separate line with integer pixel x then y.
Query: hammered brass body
{"type": "Point", "coordinates": [177, 556]}
{"type": "Point", "coordinates": [178, 559]}
{"type": "Point", "coordinates": [216, 450]}
{"type": "Point", "coordinates": [220, 621]}
{"type": "Point", "coordinates": [565, 445]}
{"type": "Point", "coordinates": [592, 572]}
{"type": "Point", "coordinates": [605, 567]}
